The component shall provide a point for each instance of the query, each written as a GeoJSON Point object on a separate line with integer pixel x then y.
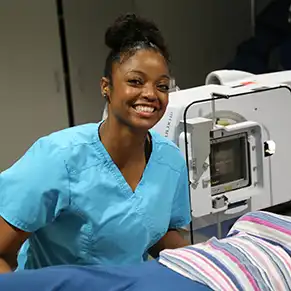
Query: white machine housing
{"type": "Point", "coordinates": [237, 78]}
{"type": "Point", "coordinates": [240, 127]}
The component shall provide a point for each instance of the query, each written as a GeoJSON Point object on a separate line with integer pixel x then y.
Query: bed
{"type": "Point", "coordinates": [149, 276]}
{"type": "Point", "coordinates": [255, 256]}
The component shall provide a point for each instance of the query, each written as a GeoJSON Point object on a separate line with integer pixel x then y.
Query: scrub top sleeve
{"type": "Point", "coordinates": [180, 215]}
{"type": "Point", "coordinates": [35, 189]}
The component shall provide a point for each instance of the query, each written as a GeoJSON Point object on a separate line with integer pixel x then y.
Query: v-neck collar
{"type": "Point", "coordinates": [115, 170]}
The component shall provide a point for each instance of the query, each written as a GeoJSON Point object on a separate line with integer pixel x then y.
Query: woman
{"type": "Point", "coordinates": [106, 193]}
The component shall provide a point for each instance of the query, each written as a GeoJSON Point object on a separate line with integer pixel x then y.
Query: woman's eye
{"type": "Point", "coordinates": [164, 88]}
{"type": "Point", "coordinates": [135, 82]}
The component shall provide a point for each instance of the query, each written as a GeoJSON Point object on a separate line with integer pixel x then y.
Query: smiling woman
{"type": "Point", "coordinates": [107, 193]}
{"type": "Point", "coordinates": [136, 81]}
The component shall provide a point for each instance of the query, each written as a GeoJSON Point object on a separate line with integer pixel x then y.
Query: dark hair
{"type": "Point", "coordinates": [128, 34]}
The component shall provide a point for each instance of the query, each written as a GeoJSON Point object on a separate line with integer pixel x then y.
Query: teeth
{"type": "Point", "coordinates": [144, 108]}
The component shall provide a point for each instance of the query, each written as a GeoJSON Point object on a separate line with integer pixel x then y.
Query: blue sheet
{"type": "Point", "coordinates": [147, 276]}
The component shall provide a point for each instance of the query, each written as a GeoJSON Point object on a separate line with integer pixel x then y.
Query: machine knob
{"type": "Point", "coordinates": [269, 148]}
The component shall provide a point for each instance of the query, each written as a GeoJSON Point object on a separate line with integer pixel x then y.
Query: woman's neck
{"type": "Point", "coordinates": [123, 144]}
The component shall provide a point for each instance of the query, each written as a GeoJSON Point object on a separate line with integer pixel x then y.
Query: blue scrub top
{"type": "Point", "coordinates": [69, 194]}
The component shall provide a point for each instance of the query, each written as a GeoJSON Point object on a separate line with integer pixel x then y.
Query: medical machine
{"type": "Point", "coordinates": [235, 78]}
{"type": "Point", "coordinates": [236, 141]}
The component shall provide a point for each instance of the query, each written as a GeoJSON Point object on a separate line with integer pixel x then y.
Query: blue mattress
{"type": "Point", "coordinates": [148, 276]}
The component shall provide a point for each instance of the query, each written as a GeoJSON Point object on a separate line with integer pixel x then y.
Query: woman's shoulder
{"type": "Point", "coordinates": [74, 136]}
{"type": "Point", "coordinates": [76, 146]}
{"type": "Point", "coordinates": [167, 152]}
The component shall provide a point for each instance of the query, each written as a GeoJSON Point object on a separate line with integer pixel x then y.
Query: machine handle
{"type": "Point", "coordinates": [236, 209]}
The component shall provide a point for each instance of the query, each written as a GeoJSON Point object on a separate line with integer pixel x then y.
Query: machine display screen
{"type": "Point", "coordinates": [229, 162]}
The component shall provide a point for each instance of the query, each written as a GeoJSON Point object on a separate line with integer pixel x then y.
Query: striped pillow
{"type": "Point", "coordinates": [254, 256]}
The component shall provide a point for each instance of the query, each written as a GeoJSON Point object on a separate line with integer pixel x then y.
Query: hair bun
{"type": "Point", "coordinates": [129, 29]}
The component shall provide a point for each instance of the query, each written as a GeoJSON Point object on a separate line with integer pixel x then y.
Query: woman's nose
{"type": "Point", "coordinates": [149, 93]}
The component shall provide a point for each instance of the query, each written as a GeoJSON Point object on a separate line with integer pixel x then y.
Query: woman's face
{"type": "Point", "coordinates": [138, 96]}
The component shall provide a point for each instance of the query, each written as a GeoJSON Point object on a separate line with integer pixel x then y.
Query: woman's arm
{"type": "Point", "coordinates": [4, 267]}
{"type": "Point", "coordinates": [171, 240]}
{"type": "Point", "coordinates": [11, 240]}
{"type": "Point", "coordinates": [180, 216]}
{"type": "Point", "coordinates": [33, 192]}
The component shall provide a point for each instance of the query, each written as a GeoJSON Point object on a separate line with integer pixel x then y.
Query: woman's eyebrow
{"type": "Point", "coordinates": [143, 73]}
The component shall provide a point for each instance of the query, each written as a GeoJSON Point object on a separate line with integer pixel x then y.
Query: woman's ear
{"type": "Point", "coordinates": [105, 88]}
